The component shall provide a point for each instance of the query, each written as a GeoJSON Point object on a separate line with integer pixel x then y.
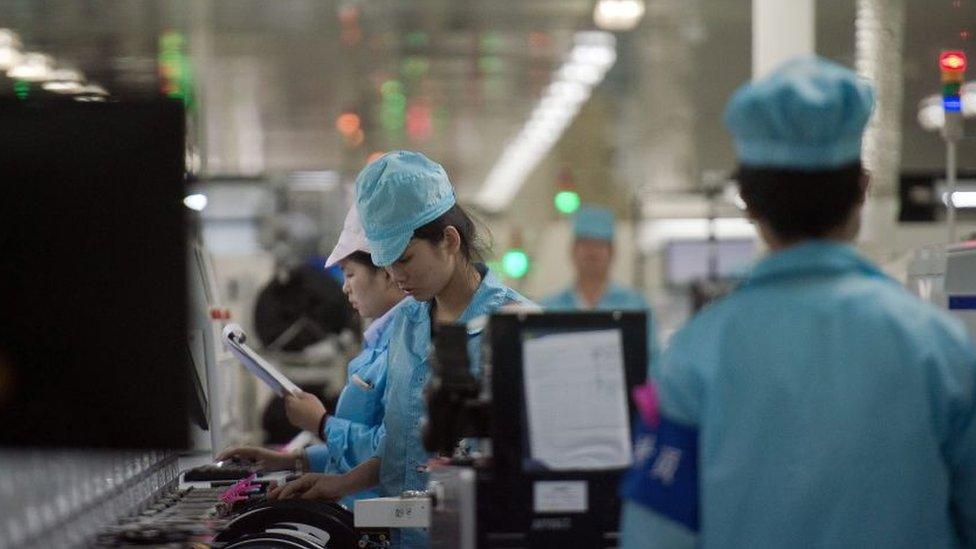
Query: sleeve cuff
{"type": "Point", "coordinates": [318, 457]}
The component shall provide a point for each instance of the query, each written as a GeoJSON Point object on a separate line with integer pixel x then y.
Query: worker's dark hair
{"type": "Point", "coordinates": [800, 204]}
{"type": "Point", "coordinates": [456, 217]}
{"type": "Point", "coordinates": [363, 259]}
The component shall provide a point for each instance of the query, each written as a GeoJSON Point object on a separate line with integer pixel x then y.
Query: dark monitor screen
{"type": "Point", "coordinates": [92, 276]}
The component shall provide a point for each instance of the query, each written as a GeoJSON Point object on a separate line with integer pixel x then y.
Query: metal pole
{"type": "Point", "coordinates": [951, 184]}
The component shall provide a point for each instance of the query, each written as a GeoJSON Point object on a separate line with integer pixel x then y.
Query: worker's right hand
{"type": "Point", "coordinates": [311, 486]}
{"type": "Point", "coordinates": [305, 411]}
{"type": "Point", "coordinates": [266, 460]}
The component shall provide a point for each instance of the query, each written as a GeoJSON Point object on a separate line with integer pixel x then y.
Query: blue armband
{"type": "Point", "coordinates": [664, 477]}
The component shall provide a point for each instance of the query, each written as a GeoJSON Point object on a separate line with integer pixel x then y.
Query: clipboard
{"type": "Point", "coordinates": [234, 338]}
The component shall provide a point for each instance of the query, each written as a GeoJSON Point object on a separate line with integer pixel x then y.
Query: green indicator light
{"type": "Point", "coordinates": [491, 42]}
{"type": "Point", "coordinates": [417, 39]}
{"type": "Point", "coordinates": [490, 64]}
{"type": "Point", "coordinates": [395, 100]}
{"type": "Point", "coordinates": [21, 89]}
{"type": "Point", "coordinates": [515, 263]}
{"type": "Point", "coordinates": [414, 67]}
{"type": "Point", "coordinates": [567, 202]}
{"type": "Point", "coordinates": [951, 88]}
{"type": "Point", "coordinates": [390, 87]}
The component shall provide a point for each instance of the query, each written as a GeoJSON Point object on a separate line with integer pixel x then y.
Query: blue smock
{"type": "Point", "coordinates": [404, 459]}
{"type": "Point", "coordinates": [353, 434]}
{"type": "Point", "coordinates": [616, 297]}
{"type": "Point", "coordinates": [827, 407]}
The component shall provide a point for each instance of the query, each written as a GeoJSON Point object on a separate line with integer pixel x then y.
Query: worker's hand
{"type": "Point", "coordinates": [311, 486]}
{"type": "Point", "coordinates": [266, 460]}
{"type": "Point", "coordinates": [305, 411]}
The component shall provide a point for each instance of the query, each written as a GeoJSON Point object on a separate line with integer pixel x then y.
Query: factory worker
{"type": "Point", "coordinates": [819, 404]}
{"type": "Point", "coordinates": [353, 434]}
{"type": "Point", "coordinates": [592, 253]}
{"type": "Point", "coordinates": [426, 241]}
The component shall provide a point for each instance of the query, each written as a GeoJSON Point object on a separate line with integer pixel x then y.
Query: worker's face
{"type": "Point", "coordinates": [425, 268]}
{"type": "Point", "coordinates": [370, 291]}
{"type": "Point", "coordinates": [592, 256]}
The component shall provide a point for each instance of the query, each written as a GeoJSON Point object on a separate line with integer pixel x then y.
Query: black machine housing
{"type": "Point", "coordinates": [460, 406]}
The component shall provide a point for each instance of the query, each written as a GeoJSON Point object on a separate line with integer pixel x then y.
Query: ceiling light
{"type": "Point", "coordinates": [196, 202]}
{"type": "Point", "coordinates": [618, 15]}
{"type": "Point", "coordinates": [571, 92]}
{"type": "Point", "coordinates": [9, 39]}
{"type": "Point", "coordinates": [32, 67]}
{"type": "Point", "coordinates": [63, 87]}
{"type": "Point", "coordinates": [598, 56]}
{"type": "Point", "coordinates": [94, 89]}
{"type": "Point", "coordinates": [580, 72]}
{"type": "Point", "coordinates": [66, 75]}
{"type": "Point", "coordinates": [9, 58]}
{"type": "Point", "coordinates": [961, 199]}
{"type": "Point", "coordinates": [593, 53]}
{"type": "Point", "coordinates": [595, 38]}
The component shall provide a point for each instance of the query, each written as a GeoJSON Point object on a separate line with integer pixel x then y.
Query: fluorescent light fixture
{"type": "Point", "coordinates": [63, 87]}
{"type": "Point", "coordinates": [593, 53]}
{"type": "Point", "coordinates": [9, 58]}
{"type": "Point", "coordinates": [595, 38]}
{"type": "Point", "coordinates": [33, 67]}
{"type": "Point", "coordinates": [618, 15]}
{"type": "Point", "coordinates": [66, 75]}
{"type": "Point", "coordinates": [9, 39]}
{"type": "Point", "coordinates": [196, 202]}
{"type": "Point", "coordinates": [581, 72]}
{"type": "Point", "coordinates": [961, 199]}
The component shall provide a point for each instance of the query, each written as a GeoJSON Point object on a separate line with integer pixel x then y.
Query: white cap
{"type": "Point", "coordinates": [351, 240]}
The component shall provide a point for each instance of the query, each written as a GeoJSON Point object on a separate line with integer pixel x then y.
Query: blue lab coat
{"type": "Point", "coordinates": [353, 434]}
{"type": "Point", "coordinates": [404, 459]}
{"type": "Point", "coordinates": [616, 297]}
{"type": "Point", "coordinates": [818, 405]}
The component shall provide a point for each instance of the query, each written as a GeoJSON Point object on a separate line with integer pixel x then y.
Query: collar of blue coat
{"type": "Point", "coordinates": [377, 333]}
{"type": "Point", "coordinates": [812, 257]}
{"type": "Point", "coordinates": [490, 295]}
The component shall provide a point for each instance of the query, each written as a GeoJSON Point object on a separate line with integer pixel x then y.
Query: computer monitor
{"type": "Point", "coordinates": [92, 274]}
{"type": "Point", "coordinates": [686, 261]}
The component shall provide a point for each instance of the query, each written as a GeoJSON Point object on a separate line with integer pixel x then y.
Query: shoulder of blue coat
{"type": "Point", "coordinates": [929, 323]}
{"type": "Point", "coordinates": [626, 293]}
{"type": "Point", "coordinates": [411, 309]}
{"type": "Point", "coordinates": [559, 300]}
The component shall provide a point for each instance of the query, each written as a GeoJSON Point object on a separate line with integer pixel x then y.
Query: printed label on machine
{"type": "Point", "coordinates": [560, 497]}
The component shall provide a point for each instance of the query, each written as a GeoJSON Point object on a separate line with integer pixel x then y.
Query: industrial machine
{"type": "Point", "coordinates": [544, 431]}
{"type": "Point", "coordinates": [946, 277]}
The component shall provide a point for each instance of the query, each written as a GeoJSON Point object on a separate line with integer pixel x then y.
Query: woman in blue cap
{"type": "Point", "coordinates": [592, 253]}
{"type": "Point", "coordinates": [355, 431]}
{"type": "Point", "coordinates": [820, 404]}
{"type": "Point", "coordinates": [426, 241]}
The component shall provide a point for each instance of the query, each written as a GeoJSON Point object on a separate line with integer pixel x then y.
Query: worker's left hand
{"type": "Point", "coordinates": [310, 486]}
{"type": "Point", "coordinates": [305, 411]}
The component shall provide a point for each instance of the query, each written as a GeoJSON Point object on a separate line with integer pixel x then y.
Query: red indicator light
{"type": "Point", "coordinates": [954, 61]}
{"type": "Point", "coordinates": [347, 123]}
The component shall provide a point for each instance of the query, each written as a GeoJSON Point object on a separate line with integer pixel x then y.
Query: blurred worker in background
{"type": "Point", "coordinates": [819, 404]}
{"type": "Point", "coordinates": [426, 241]}
{"type": "Point", "coordinates": [353, 434]}
{"type": "Point", "coordinates": [592, 254]}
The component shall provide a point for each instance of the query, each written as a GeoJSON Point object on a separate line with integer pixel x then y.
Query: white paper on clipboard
{"type": "Point", "coordinates": [234, 338]}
